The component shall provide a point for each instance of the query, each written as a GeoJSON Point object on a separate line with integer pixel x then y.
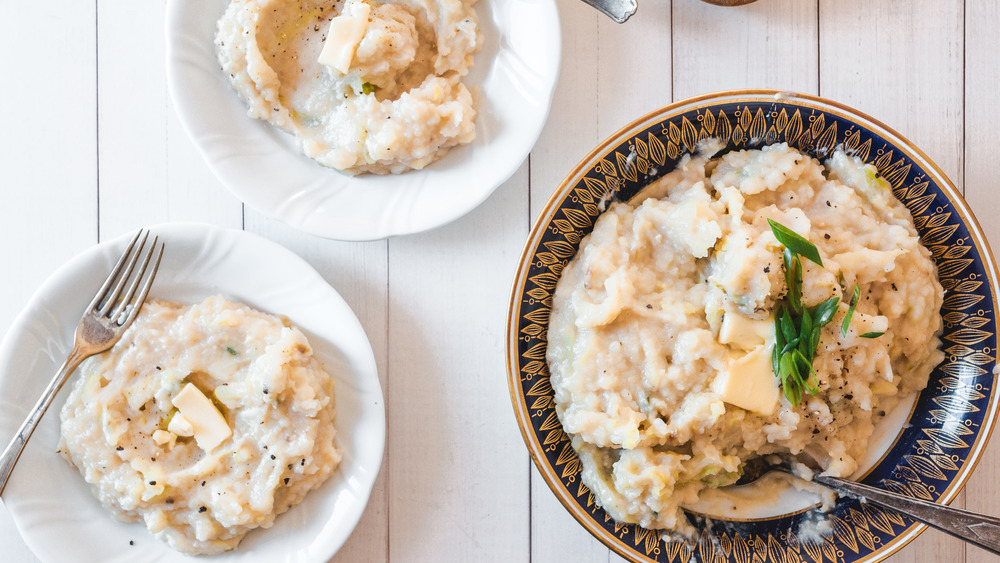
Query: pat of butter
{"type": "Point", "coordinates": [749, 383]}
{"type": "Point", "coordinates": [180, 425]}
{"type": "Point", "coordinates": [745, 333]}
{"type": "Point", "coordinates": [344, 36]}
{"type": "Point", "coordinates": [208, 425]}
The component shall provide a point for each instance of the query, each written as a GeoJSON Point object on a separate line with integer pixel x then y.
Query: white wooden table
{"type": "Point", "coordinates": [90, 148]}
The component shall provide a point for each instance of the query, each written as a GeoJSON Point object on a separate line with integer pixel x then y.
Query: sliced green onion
{"type": "Point", "coordinates": [850, 310]}
{"type": "Point", "coordinates": [872, 334]}
{"type": "Point", "coordinates": [795, 242]}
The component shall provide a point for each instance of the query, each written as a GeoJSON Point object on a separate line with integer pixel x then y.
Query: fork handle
{"type": "Point", "coordinates": [977, 529]}
{"type": "Point", "coordinates": [16, 445]}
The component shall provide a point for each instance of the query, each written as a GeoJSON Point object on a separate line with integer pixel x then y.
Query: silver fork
{"type": "Point", "coordinates": [113, 309]}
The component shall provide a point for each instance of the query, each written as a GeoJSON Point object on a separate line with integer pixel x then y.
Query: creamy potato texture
{"type": "Point", "coordinates": [203, 422]}
{"type": "Point", "coordinates": [363, 85]}
{"type": "Point", "coordinates": [662, 327]}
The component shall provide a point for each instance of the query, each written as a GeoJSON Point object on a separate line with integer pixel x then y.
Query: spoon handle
{"type": "Point", "coordinates": [977, 529]}
{"type": "Point", "coordinates": [618, 10]}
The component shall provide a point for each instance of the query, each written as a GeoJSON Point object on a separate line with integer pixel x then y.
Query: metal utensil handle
{"type": "Point", "coordinates": [618, 10]}
{"type": "Point", "coordinates": [977, 529]}
{"type": "Point", "coordinates": [13, 450]}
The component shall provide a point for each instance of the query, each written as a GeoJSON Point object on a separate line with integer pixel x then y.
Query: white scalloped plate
{"type": "Point", "coordinates": [50, 503]}
{"type": "Point", "coordinates": [512, 80]}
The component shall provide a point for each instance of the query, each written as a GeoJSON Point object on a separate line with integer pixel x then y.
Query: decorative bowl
{"type": "Point", "coordinates": [930, 456]}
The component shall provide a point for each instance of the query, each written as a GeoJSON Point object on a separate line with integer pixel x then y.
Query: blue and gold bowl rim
{"type": "Point", "coordinates": [953, 418]}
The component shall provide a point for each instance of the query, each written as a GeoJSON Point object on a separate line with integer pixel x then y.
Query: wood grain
{"type": "Point", "coordinates": [92, 148]}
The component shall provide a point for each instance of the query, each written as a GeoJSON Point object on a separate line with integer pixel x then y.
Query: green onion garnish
{"type": "Point", "coordinates": [795, 242]}
{"type": "Point", "coordinates": [797, 327]}
{"type": "Point", "coordinates": [850, 311]}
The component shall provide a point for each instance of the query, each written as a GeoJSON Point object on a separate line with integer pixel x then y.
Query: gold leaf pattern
{"type": "Point", "coordinates": [864, 150]}
{"type": "Point", "coordinates": [536, 352]}
{"type": "Point", "coordinates": [758, 127]}
{"type": "Point", "coordinates": [657, 151]}
{"type": "Point", "coordinates": [968, 336]}
{"type": "Point", "coordinates": [950, 268]}
{"type": "Point", "coordinates": [955, 404]}
{"type": "Point", "coordinates": [626, 168]}
{"type": "Point", "coordinates": [725, 128]}
{"type": "Point", "coordinates": [937, 221]}
{"type": "Point", "coordinates": [945, 462]}
{"type": "Point", "coordinates": [959, 369]}
{"type": "Point", "coordinates": [945, 439]}
{"type": "Point", "coordinates": [538, 294]}
{"type": "Point", "coordinates": [882, 162]}
{"type": "Point", "coordinates": [956, 252]}
{"type": "Point", "coordinates": [877, 518]}
{"type": "Point", "coordinates": [707, 548]}
{"type": "Point", "coordinates": [542, 403]}
{"type": "Point", "coordinates": [533, 330]}
{"type": "Point", "coordinates": [708, 122]}
{"type": "Point", "coordinates": [738, 135]}
{"type": "Point", "coordinates": [781, 121]}
{"type": "Point", "coordinates": [794, 128]}
{"type": "Point", "coordinates": [541, 387]}
{"type": "Point", "coordinates": [814, 550]}
{"type": "Point", "coordinates": [725, 544]}
{"type": "Point", "coordinates": [576, 217]}
{"type": "Point", "coordinates": [979, 358]}
{"type": "Point", "coordinates": [921, 491]}
{"type": "Point", "coordinates": [596, 187]}
{"type": "Point", "coordinates": [959, 350]}
{"type": "Point", "coordinates": [672, 150]}
{"type": "Point", "coordinates": [851, 143]}
{"type": "Point", "coordinates": [741, 550]}
{"type": "Point", "coordinates": [745, 119]}
{"type": "Point", "coordinates": [675, 133]}
{"type": "Point", "coordinates": [925, 467]}
{"type": "Point", "coordinates": [640, 148]}
{"type": "Point", "coordinates": [828, 140]}
{"type": "Point", "coordinates": [844, 533]}
{"type": "Point", "coordinates": [775, 550]}
{"type": "Point", "coordinates": [540, 315]}
{"type": "Point", "coordinates": [960, 301]}
{"type": "Point", "coordinates": [689, 135]}
{"type": "Point", "coordinates": [938, 235]}
{"type": "Point", "coordinates": [865, 538]}
{"type": "Point", "coordinates": [918, 190]}
{"type": "Point", "coordinates": [605, 168]}
{"type": "Point", "coordinates": [969, 286]}
{"type": "Point", "coordinates": [920, 204]}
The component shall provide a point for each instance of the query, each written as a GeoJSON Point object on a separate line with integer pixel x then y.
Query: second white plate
{"type": "Point", "coordinates": [513, 80]}
{"type": "Point", "coordinates": [49, 501]}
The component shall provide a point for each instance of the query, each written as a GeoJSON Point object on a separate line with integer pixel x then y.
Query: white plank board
{"type": "Point", "coordinates": [458, 472]}
{"type": "Point", "coordinates": [982, 161]}
{"type": "Point", "coordinates": [909, 78]}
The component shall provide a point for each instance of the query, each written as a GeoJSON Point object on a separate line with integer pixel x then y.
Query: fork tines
{"type": "Point", "coordinates": [117, 304]}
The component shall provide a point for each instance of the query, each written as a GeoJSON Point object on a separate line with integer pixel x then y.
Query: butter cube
{"type": "Point", "coordinates": [745, 333]}
{"type": "Point", "coordinates": [344, 36]}
{"type": "Point", "coordinates": [749, 383]}
{"type": "Point", "coordinates": [206, 422]}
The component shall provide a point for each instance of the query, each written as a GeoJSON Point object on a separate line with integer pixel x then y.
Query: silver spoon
{"type": "Point", "coordinates": [618, 10]}
{"type": "Point", "coordinates": [977, 529]}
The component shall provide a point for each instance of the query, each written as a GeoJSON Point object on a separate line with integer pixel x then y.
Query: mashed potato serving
{"type": "Point", "coordinates": [203, 422]}
{"type": "Point", "coordinates": [662, 333]}
{"type": "Point", "coordinates": [363, 85]}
